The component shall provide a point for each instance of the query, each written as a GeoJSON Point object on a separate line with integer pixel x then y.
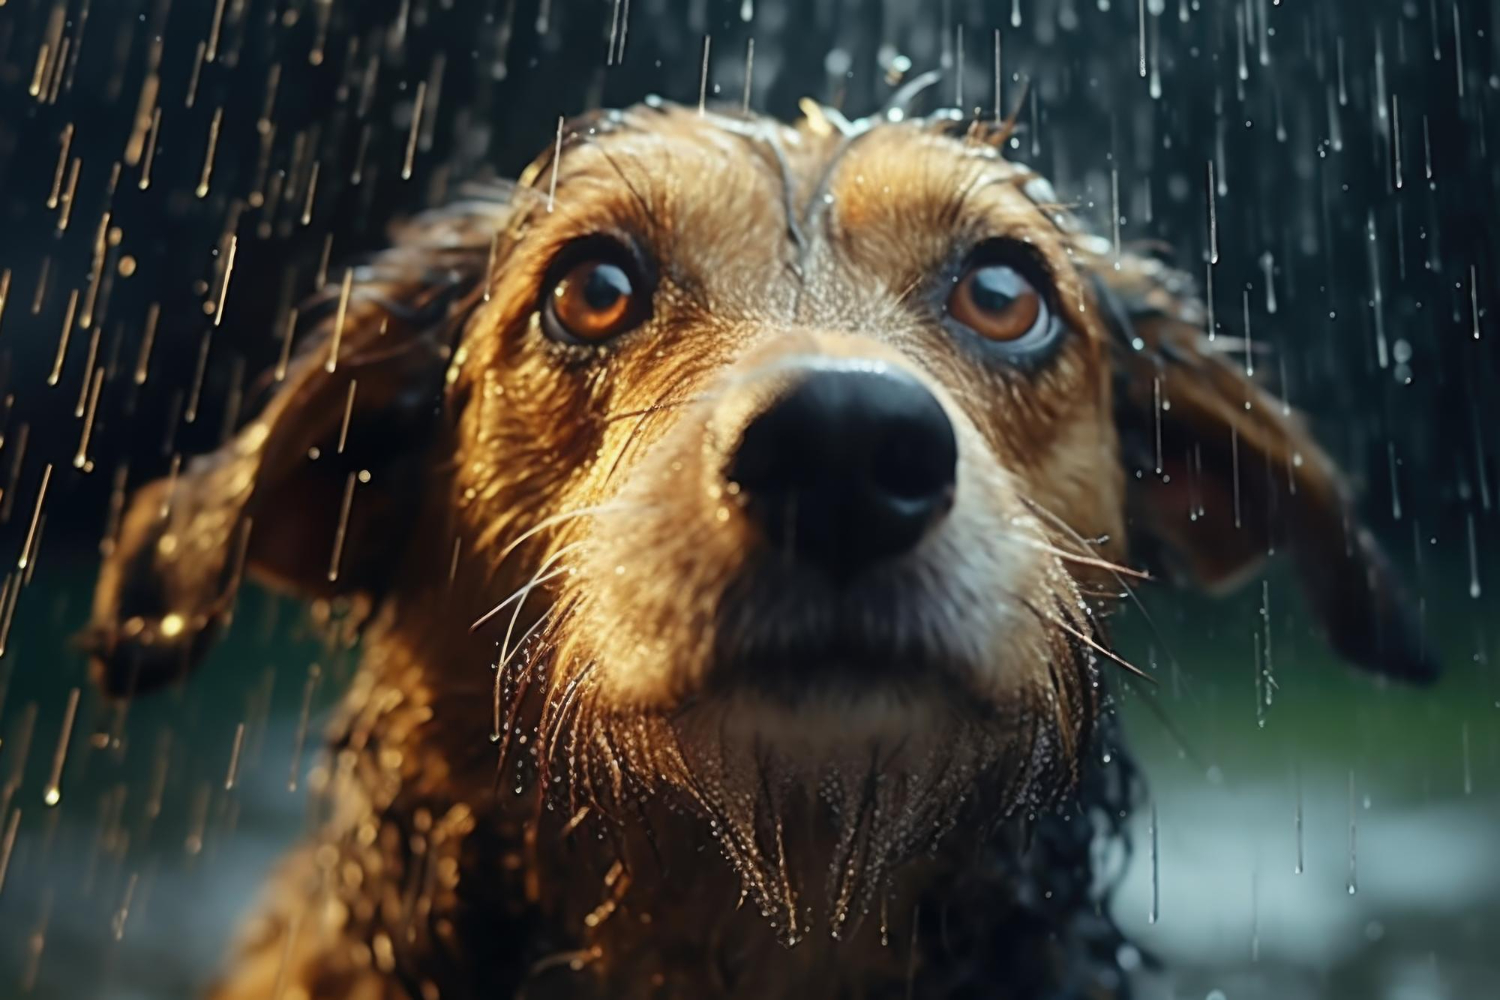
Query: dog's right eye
{"type": "Point", "coordinates": [599, 296]}
{"type": "Point", "coordinates": [1000, 296]}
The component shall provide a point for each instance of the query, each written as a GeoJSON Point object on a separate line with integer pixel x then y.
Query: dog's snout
{"type": "Point", "coordinates": [847, 467]}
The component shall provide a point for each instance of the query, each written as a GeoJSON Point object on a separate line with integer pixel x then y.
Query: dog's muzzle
{"type": "Point", "coordinates": [846, 467]}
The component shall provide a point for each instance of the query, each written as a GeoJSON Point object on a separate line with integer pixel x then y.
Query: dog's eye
{"type": "Point", "coordinates": [596, 298]}
{"type": "Point", "coordinates": [1000, 303]}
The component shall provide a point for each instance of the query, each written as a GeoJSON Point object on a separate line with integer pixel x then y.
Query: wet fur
{"type": "Point", "coordinates": [941, 838]}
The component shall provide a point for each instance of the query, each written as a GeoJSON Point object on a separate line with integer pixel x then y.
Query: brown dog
{"type": "Point", "coordinates": [787, 472]}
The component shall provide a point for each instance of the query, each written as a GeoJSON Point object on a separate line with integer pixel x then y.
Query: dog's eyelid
{"type": "Point", "coordinates": [607, 241]}
{"type": "Point", "coordinates": [1019, 251]}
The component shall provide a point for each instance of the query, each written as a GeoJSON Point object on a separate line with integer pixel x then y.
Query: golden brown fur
{"type": "Point", "coordinates": [580, 490]}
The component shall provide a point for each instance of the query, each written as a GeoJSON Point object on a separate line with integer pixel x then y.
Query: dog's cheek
{"type": "Point", "coordinates": [524, 444]}
{"type": "Point", "coordinates": [650, 573]}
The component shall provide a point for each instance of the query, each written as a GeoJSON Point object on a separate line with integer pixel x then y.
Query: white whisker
{"type": "Point", "coordinates": [518, 594]}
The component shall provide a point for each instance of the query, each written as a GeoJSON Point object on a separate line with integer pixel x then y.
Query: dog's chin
{"type": "Point", "coordinates": [817, 801]}
{"type": "Point", "coordinates": [816, 712]}
{"type": "Point", "coordinates": [823, 743]}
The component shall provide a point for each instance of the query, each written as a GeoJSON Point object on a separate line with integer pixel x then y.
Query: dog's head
{"type": "Point", "coordinates": [824, 443]}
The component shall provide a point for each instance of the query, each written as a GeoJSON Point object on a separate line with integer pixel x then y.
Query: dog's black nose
{"type": "Point", "coordinates": [848, 467]}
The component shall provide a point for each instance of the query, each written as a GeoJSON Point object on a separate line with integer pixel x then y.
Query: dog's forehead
{"type": "Point", "coordinates": [917, 174]}
{"type": "Point", "coordinates": [655, 148]}
{"type": "Point", "coordinates": [667, 157]}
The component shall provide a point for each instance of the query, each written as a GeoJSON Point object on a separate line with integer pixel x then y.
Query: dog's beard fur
{"type": "Point", "coordinates": [814, 807]}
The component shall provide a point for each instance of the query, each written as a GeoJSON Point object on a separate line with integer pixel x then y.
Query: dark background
{"type": "Point", "coordinates": [1383, 329]}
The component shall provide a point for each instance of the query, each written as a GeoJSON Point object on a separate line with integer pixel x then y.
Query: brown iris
{"type": "Point", "coordinates": [595, 300]}
{"type": "Point", "coordinates": [997, 302]}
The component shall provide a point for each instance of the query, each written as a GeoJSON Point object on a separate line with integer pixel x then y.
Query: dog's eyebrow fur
{"type": "Point", "coordinates": [635, 192]}
{"type": "Point", "coordinates": [765, 141]}
{"type": "Point", "coordinates": [788, 197]}
{"type": "Point", "coordinates": [830, 169]}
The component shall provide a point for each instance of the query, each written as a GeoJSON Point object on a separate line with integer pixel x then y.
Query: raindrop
{"type": "Point", "coordinates": [1390, 453]}
{"type": "Point", "coordinates": [1468, 768]}
{"type": "Point", "coordinates": [8, 844]}
{"type": "Point", "coordinates": [1343, 90]}
{"type": "Point", "coordinates": [1474, 588]}
{"type": "Point", "coordinates": [1299, 867]}
{"type": "Point", "coordinates": [53, 793]}
{"type": "Point", "coordinates": [418, 104]}
{"type": "Point", "coordinates": [999, 96]}
{"type": "Point", "coordinates": [1353, 881]}
{"type": "Point", "coordinates": [234, 757]}
{"type": "Point", "coordinates": [557, 150]}
{"type": "Point", "coordinates": [1473, 299]}
{"type": "Point", "coordinates": [703, 75]}
{"type": "Point", "coordinates": [1213, 218]}
{"type": "Point", "coordinates": [208, 156]}
{"type": "Point", "coordinates": [1254, 915]}
{"type": "Point", "coordinates": [1141, 36]}
{"type": "Point", "coordinates": [1396, 139]}
{"type": "Point", "coordinates": [1377, 294]}
{"type": "Point", "coordinates": [1155, 910]}
{"type": "Point", "coordinates": [343, 526]}
{"type": "Point", "coordinates": [1458, 51]}
{"type": "Point", "coordinates": [749, 74]}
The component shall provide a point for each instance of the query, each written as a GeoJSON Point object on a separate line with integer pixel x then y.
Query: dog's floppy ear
{"type": "Point", "coordinates": [1221, 474]}
{"type": "Point", "coordinates": [287, 499]}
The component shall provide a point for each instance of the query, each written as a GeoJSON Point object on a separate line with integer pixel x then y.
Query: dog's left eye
{"type": "Point", "coordinates": [596, 298]}
{"type": "Point", "coordinates": [1000, 303]}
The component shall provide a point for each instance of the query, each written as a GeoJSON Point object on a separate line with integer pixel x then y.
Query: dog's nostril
{"type": "Point", "coordinates": [911, 461]}
{"type": "Point", "coordinates": [847, 467]}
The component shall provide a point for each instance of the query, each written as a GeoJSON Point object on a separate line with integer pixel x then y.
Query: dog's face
{"type": "Point", "coordinates": [822, 443]}
{"type": "Point", "coordinates": [805, 438]}
{"type": "Point", "coordinates": [819, 422]}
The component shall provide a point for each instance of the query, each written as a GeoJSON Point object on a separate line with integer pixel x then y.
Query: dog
{"type": "Point", "coordinates": [741, 505]}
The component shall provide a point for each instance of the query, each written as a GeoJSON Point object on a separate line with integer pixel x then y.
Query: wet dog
{"type": "Point", "coordinates": [741, 504]}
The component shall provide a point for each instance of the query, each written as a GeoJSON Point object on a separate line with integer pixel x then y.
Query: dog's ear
{"type": "Point", "coordinates": [310, 495]}
{"type": "Point", "coordinates": [1222, 474]}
